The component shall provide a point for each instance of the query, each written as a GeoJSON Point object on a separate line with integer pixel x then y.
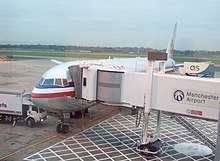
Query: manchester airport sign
{"type": "Point", "coordinates": [199, 97]}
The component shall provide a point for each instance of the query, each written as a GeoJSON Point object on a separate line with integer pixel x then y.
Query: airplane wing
{"type": "Point", "coordinates": [178, 65]}
{"type": "Point", "coordinates": [56, 61]}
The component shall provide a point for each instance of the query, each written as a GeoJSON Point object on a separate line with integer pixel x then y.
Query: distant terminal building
{"type": "Point", "coordinates": [84, 51]}
{"type": "Point", "coordinates": [6, 57]}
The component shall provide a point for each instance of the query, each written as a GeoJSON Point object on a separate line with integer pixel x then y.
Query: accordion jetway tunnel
{"type": "Point", "coordinates": [185, 95]}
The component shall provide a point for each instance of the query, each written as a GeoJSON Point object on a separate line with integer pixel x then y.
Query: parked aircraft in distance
{"type": "Point", "coordinates": [55, 92]}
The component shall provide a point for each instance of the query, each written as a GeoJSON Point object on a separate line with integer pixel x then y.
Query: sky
{"type": "Point", "coordinates": [112, 23]}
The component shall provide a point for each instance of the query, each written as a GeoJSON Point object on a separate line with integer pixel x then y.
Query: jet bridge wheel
{"type": "Point", "coordinates": [62, 128]}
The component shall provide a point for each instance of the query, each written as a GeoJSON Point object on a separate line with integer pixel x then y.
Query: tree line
{"type": "Point", "coordinates": [127, 50]}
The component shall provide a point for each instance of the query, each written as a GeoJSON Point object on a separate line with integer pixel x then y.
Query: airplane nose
{"type": "Point", "coordinates": [40, 102]}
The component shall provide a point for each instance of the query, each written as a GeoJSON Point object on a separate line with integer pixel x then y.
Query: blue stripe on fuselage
{"type": "Point", "coordinates": [71, 84]}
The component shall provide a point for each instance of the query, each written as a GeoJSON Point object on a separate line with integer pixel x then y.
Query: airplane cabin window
{"type": "Point", "coordinates": [65, 82]}
{"type": "Point", "coordinates": [58, 82]}
{"type": "Point", "coordinates": [41, 81]}
{"type": "Point", "coordinates": [48, 82]}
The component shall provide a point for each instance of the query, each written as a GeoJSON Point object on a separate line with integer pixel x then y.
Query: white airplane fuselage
{"type": "Point", "coordinates": [55, 91]}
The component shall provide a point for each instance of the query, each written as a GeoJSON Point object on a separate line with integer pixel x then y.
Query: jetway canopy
{"type": "Point", "coordinates": [192, 96]}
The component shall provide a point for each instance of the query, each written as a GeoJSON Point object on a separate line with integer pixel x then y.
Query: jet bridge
{"type": "Point", "coordinates": [114, 87]}
{"type": "Point", "coordinates": [192, 96]}
{"type": "Point", "coordinates": [199, 97]}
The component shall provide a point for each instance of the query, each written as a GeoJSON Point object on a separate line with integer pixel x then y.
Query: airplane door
{"type": "Point", "coordinates": [76, 74]}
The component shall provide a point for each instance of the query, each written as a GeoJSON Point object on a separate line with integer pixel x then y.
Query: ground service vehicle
{"type": "Point", "coordinates": [16, 106]}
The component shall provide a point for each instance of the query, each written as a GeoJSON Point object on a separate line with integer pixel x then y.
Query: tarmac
{"type": "Point", "coordinates": [116, 139]}
{"type": "Point", "coordinates": [21, 141]}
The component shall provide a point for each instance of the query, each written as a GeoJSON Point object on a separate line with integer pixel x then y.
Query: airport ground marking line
{"type": "Point", "coordinates": [116, 139]}
{"type": "Point", "coordinates": [27, 147]}
{"type": "Point", "coordinates": [187, 135]}
{"type": "Point", "coordinates": [127, 127]}
{"type": "Point", "coordinates": [104, 140]}
{"type": "Point", "coordinates": [41, 157]}
{"type": "Point", "coordinates": [81, 147]}
{"type": "Point", "coordinates": [53, 153]}
{"type": "Point", "coordinates": [125, 135]}
{"type": "Point", "coordinates": [171, 139]}
{"type": "Point", "coordinates": [95, 118]}
{"type": "Point", "coordinates": [114, 110]}
{"type": "Point", "coordinates": [153, 117]}
{"type": "Point", "coordinates": [30, 67]}
{"type": "Point", "coordinates": [181, 127]}
{"type": "Point", "coordinates": [42, 150]}
{"type": "Point", "coordinates": [57, 136]}
{"type": "Point", "coordinates": [106, 131]}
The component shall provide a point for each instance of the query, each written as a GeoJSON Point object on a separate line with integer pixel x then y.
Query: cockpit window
{"type": "Point", "coordinates": [48, 82]}
{"type": "Point", "coordinates": [41, 81]}
{"type": "Point", "coordinates": [58, 82]}
{"type": "Point", "coordinates": [65, 82]}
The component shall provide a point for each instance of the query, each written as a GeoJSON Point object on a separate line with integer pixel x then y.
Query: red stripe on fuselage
{"type": "Point", "coordinates": [52, 95]}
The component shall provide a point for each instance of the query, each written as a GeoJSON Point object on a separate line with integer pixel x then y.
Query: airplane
{"type": "Point", "coordinates": [55, 92]}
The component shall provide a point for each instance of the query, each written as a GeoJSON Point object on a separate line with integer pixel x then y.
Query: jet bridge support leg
{"type": "Point", "coordinates": [149, 144]}
{"type": "Point", "coordinates": [158, 123]}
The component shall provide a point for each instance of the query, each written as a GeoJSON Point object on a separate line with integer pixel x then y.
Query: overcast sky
{"type": "Point", "coordinates": [116, 23]}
